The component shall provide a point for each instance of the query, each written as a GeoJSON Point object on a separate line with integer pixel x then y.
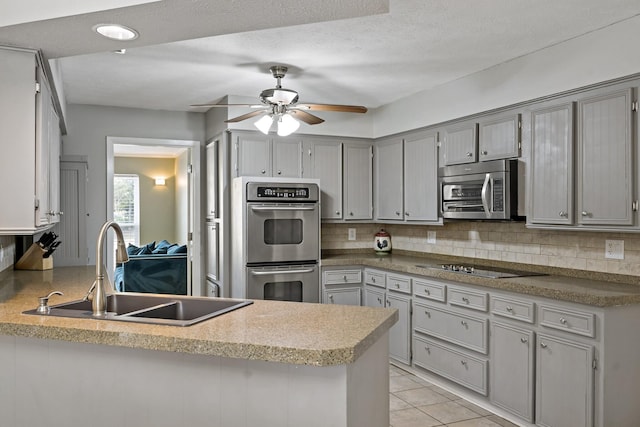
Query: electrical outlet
{"type": "Point", "coordinates": [431, 237]}
{"type": "Point", "coordinates": [614, 249]}
{"type": "Point", "coordinates": [352, 234]}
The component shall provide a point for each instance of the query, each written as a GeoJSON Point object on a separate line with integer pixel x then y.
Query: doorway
{"type": "Point", "coordinates": [171, 193]}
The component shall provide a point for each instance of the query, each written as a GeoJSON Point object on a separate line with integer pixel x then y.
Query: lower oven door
{"type": "Point", "coordinates": [282, 232]}
{"type": "Point", "coordinates": [299, 283]}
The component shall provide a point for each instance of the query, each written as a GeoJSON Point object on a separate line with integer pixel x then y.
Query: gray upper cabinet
{"type": "Point", "coordinates": [264, 155]}
{"type": "Point", "coordinates": [605, 174]}
{"type": "Point", "coordinates": [499, 138]}
{"type": "Point", "coordinates": [460, 143]}
{"type": "Point", "coordinates": [421, 177]}
{"type": "Point", "coordinates": [212, 179]}
{"type": "Point", "coordinates": [287, 157]}
{"type": "Point", "coordinates": [30, 142]}
{"type": "Point", "coordinates": [323, 160]}
{"type": "Point", "coordinates": [551, 176]}
{"type": "Point", "coordinates": [388, 161]}
{"type": "Point", "coordinates": [358, 178]}
{"type": "Point", "coordinates": [253, 155]}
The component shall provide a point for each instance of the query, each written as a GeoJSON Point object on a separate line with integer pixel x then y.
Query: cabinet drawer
{"type": "Point", "coordinates": [576, 322]}
{"type": "Point", "coordinates": [336, 277]}
{"type": "Point", "coordinates": [467, 298]}
{"type": "Point", "coordinates": [375, 278]}
{"type": "Point", "coordinates": [513, 308]}
{"type": "Point", "coordinates": [460, 329]}
{"type": "Point", "coordinates": [455, 365]}
{"type": "Point", "coordinates": [430, 290]}
{"type": "Point", "coordinates": [399, 283]}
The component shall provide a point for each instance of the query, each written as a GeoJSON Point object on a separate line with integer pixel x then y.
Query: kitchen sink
{"type": "Point", "coordinates": [174, 310]}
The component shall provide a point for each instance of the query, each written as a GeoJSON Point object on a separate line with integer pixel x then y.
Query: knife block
{"type": "Point", "coordinates": [33, 260]}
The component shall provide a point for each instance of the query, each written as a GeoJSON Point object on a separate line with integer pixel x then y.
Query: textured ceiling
{"type": "Point", "coordinates": [369, 60]}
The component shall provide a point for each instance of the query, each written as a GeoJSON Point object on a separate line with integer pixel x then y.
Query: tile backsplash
{"type": "Point", "coordinates": [7, 251]}
{"type": "Point", "coordinates": [499, 241]}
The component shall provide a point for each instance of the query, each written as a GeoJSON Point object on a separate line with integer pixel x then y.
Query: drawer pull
{"type": "Point", "coordinates": [331, 298]}
{"type": "Point", "coordinates": [427, 313]}
{"type": "Point", "coordinates": [463, 323]}
{"type": "Point", "coordinates": [373, 279]}
{"type": "Point", "coordinates": [463, 362]}
{"type": "Point", "coordinates": [427, 291]}
{"type": "Point", "coordinates": [543, 345]}
{"type": "Point", "coordinates": [563, 320]}
{"type": "Point", "coordinates": [397, 285]}
{"type": "Point", "coordinates": [427, 349]}
{"type": "Point", "coordinates": [524, 340]}
{"type": "Point", "coordinates": [388, 303]}
{"type": "Point", "coordinates": [510, 309]}
{"type": "Point", "coordinates": [465, 299]}
{"type": "Point", "coordinates": [344, 278]}
{"type": "Point", "coordinates": [379, 300]}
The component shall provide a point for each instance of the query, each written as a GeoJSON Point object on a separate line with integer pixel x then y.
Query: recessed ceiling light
{"type": "Point", "coordinates": [116, 32]}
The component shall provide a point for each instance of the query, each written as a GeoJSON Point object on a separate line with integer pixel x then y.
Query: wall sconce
{"type": "Point", "coordinates": [160, 181]}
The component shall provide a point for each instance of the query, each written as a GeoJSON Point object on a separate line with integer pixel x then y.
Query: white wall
{"type": "Point", "coordinates": [87, 129]}
{"type": "Point", "coordinates": [595, 57]}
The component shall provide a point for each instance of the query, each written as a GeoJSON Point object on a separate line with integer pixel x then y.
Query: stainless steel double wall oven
{"type": "Point", "coordinates": [276, 239]}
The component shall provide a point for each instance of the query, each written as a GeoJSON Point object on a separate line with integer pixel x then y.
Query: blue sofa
{"type": "Point", "coordinates": [158, 269]}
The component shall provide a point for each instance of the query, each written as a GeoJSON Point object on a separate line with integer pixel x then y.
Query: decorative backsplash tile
{"type": "Point", "coordinates": [498, 241]}
{"type": "Point", "coordinates": [7, 251]}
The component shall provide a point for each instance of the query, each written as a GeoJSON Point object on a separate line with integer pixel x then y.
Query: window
{"type": "Point", "coordinates": [126, 206]}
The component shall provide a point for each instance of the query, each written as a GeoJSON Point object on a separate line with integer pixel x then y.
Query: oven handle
{"type": "Point", "coordinates": [485, 195]}
{"type": "Point", "coordinates": [272, 272]}
{"type": "Point", "coordinates": [283, 208]}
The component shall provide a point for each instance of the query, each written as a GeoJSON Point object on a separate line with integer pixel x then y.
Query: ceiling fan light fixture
{"type": "Point", "coordinates": [287, 125]}
{"type": "Point", "coordinates": [279, 96]}
{"type": "Point", "coordinates": [264, 123]}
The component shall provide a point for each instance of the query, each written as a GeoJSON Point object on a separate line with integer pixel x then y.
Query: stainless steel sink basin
{"type": "Point", "coordinates": [175, 310]}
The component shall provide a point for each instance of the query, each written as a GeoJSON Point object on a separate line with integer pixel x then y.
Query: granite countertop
{"type": "Point", "coordinates": [583, 287]}
{"type": "Point", "coordinates": [274, 331]}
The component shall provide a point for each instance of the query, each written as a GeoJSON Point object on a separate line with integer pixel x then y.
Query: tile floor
{"type": "Point", "coordinates": [414, 402]}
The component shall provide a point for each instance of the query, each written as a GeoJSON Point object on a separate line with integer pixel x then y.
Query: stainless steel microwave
{"type": "Point", "coordinates": [480, 191]}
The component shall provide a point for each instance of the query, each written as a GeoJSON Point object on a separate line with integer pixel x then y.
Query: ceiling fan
{"type": "Point", "coordinates": [280, 105]}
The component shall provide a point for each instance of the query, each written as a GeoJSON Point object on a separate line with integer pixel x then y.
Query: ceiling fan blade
{"type": "Point", "coordinates": [309, 119]}
{"type": "Point", "coordinates": [227, 105]}
{"type": "Point", "coordinates": [333, 107]}
{"type": "Point", "coordinates": [246, 116]}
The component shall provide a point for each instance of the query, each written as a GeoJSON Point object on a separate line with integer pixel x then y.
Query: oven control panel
{"type": "Point", "coordinates": [294, 192]}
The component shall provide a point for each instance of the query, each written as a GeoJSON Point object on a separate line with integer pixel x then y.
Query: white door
{"type": "Point", "coordinates": [72, 227]}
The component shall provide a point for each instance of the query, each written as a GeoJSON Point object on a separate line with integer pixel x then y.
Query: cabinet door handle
{"type": "Point", "coordinates": [331, 298]}
{"type": "Point", "coordinates": [279, 172]}
{"type": "Point", "coordinates": [344, 277]}
{"type": "Point", "coordinates": [263, 171]}
{"type": "Point", "coordinates": [469, 154]}
{"type": "Point", "coordinates": [463, 362]}
{"type": "Point", "coordinates": [485, 152]}
{"type": "Point", "coordinates": [465, 300]}
{"type": "Point", "coordinates": [427, 313]}
{"type": "Point", "coordinates": [388, 303]}
{"type": "Point", "coordinates": [397, 285]}
{"type": "Point", "coordinates": [585, 213]}
{"type": "Point", "coordinates": [427, 291]}
{"type": "Point", "coordinates": [337, 212]}
{"type": "Point", "coordinates": [524, 340]}
{"type": "Point", "coordinates": [379, 300]}
{"type": "Point", "coordinates": [563, 214]}
{"type": "Point", "coordinates": [398, 213]}
{"type": "Point", "coordinates": [543, 345]}
{"type": "Point", "coordinates": [406, 213]}
{"type": "Point", "coordinates": [351, 213]}
{"type": "Point", "coordinates": [563, 320]}
{"type": "Point", "coordinates": [463, 323]}
{"type": "Point", "coordinates": [510, 309]}
{"type": "Point", "coordinates": [373, 279]}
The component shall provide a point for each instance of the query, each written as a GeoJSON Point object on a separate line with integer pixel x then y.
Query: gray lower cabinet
{"type": "Point", "coordinates": [342, 286]}
{"type": "Point", "coordinates": [564, 382]}
{"type": "Point", "coordinates": [512, 365]}
{"type": "Point", "coordinates": [400, 333]}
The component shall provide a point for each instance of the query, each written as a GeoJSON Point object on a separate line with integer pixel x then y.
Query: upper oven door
{"type": "Point", "coordinates": [282, 232]}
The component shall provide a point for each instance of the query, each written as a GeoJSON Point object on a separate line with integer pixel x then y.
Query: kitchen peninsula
{"type": "Point", "coordinates": [269, 364]}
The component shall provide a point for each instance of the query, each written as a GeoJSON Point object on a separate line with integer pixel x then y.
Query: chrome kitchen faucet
{"type": "Point", "coordinates": [99, 298]}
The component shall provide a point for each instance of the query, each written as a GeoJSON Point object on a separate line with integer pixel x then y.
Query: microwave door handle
{"type": "Point", "coordinates": [272, 272]}
{"type": "Point", "coordinates": [283, 208]}
{"type": "Point", "coordinates": [486, 194]}
{"type": "Point", "coordinates": [452, 205]}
